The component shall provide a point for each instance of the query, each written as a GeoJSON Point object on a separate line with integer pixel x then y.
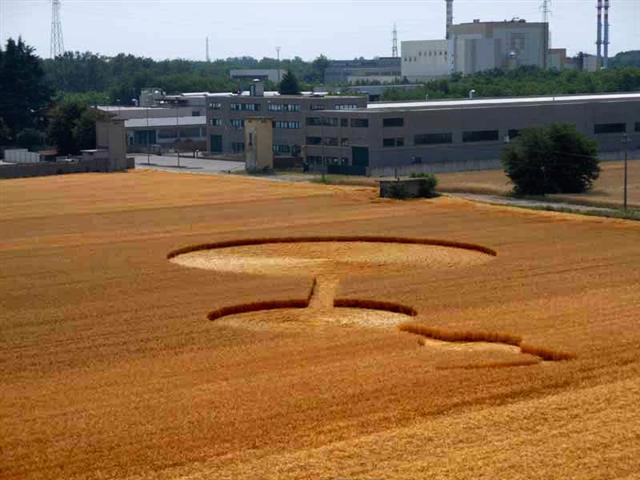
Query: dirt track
{"type": "Point", "coordinates": [112, 370]}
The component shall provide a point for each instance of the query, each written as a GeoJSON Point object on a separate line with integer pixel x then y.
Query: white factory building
{"type": "Point", "coordinates": [475, 47]}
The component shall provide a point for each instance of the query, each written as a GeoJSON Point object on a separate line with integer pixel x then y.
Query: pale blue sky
{"type": "Point", "coordinates": [307, 28]}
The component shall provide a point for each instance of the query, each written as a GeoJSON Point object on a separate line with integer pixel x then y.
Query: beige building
{"type": "Point", "coordinates": [258, 139]}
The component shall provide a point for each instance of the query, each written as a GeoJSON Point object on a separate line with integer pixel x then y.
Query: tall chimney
{"type": "Point", "coordinates": [449, 17]}
{"type": "Point", "coordinates": [599, 39]}
{"type": "Point", "coordinates": [605, 61]}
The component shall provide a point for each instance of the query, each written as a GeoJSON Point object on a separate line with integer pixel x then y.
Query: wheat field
{"type": "Point", "coordinates": [111, 367]}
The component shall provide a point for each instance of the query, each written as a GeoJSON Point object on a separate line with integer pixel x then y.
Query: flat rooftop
{"type": "Point", "coordinates": [487, 102]}
{"type": "Point", "coordinates": [165, 122]}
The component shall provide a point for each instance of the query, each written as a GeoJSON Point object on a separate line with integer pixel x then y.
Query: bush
{"type": "Point", "coordinates": [553, 159]}
{"type": "Point", "coordinates": [428, 184]}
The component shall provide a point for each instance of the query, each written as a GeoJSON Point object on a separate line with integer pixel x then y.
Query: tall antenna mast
{"type": "Point", "coordinates": [394, 48]}
{"type": "Point", "coordinates": [57, 43]}
{"type": "Point", "coordinates": [546, 10]}
{"type": "Point", "coordinates": [208, 56]}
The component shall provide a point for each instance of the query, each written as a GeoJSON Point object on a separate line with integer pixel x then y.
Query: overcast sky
{"type": "Point", "coordinates": [306, 28]}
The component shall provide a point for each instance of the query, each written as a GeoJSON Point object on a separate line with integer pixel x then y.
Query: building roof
{"type": "Point", "coordinates": [506, 101]}
{"type": "Point", "coordinates": [165, 122]}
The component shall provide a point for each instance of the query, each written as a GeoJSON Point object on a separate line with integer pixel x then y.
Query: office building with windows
{"type": "Point", "coordinates": [227, 113]}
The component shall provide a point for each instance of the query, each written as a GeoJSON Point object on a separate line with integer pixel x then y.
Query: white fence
{"type": "Point", "coordinates": [20, 155]}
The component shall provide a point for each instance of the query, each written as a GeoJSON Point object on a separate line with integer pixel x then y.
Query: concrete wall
{"type": "Point", "coordinates": [111, 136]}
{"type": "Point", "coordinates": [20, 155]}
{"type": "Point", "coordinates": [58, 168]}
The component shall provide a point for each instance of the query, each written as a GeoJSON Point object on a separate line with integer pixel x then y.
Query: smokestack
{"type": "Point", "coordinates": [449, 16]}
{"type": "Point", "coordinates": [605, 62]}
{"type": "Point", "coordinates": [599, 39]}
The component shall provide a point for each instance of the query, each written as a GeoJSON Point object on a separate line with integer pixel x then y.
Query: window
{"type": "Point", "coordinates": [314, 159]}
{"type": "Point", "coordinates": [216, 122]}
{"type": "Point", "coordinates": [286, 124]}
{"type": "Point", "coordinates": [344, 142]}
{"type": "Point", "coordinates": [348, 106]}
{"type": "Point", "coordinates": [237, 123]}
{"type": "Point", "coordinates": [215, 106]}
{"type": "Point", "coordinates": [513, 133]}
{"type": "Point", "coordinates": [317, 106]}
{"type": "Point", "coordinates": [393, 142]}
{"type": "Point", "coordinates": [480, 136]}
{"type": "Point", "coordinates": [359, 123]}
{"type": "Point", "coordinates": [322, 121]}
{"type": "Point", "coordinates": [330, 141]}
{"type": "Point", "coordinates": [637, 126]}
{"type": "Point", "coordinates": [167, 133]}
{"type": "Point", "coordinates": [393, 122]}
{"type": "Point", "coordinates": [195, 113]}
{"type": "Point", "coordinates": [283, 107]}
{"type": "Point", "coordinates": [433, 138]}
{"type": "Point", "coordinates": [281, 149]}
{"type": "Point", "coordinates": [244, 107]}
{"type": "Point", "coordinates": [314, 140]}
{"type": "Point", "coordinates": [237, 147]}
{"type": "Point", "coordinates": [251, 139]}
{"type": "Point", "coordinates": [600, 128]}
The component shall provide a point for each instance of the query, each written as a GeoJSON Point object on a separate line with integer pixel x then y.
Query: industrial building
{"type": "Point", "coordinates": [381, 70]}
{"type": "Point", "coordinates": [479, 46]}
{"type": "Point", "coordinates": [273, 75]}
{"type": "Point", "coordinates": [460, 134]}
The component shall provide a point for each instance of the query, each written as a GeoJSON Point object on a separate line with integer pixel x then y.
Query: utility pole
{"type": "Point", "coordinates": [57, 43]}
{"type": "Point", "coordinates": [278, 55]}
{"type": "Point", "coordinates": [625, 142]}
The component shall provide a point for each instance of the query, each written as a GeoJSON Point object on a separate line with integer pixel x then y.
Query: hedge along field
{"type": "Point", "coordinates": [111, 369]}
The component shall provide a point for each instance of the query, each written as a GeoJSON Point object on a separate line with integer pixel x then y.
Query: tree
{"type": "Point", "coordinates": [289, 84]}
{"type": "Point", "coordinates": [25, 92]}
{"type": "Point", "coordinates": [72, 127]}
{"type": "Point", "coordinates": [30, 138]}
{"type": "Point", "coordinates": [5, 134]}
{"type": "Point", "coordinates": [318, 66]}
{"type": "Point", "coordinates": [553, 159]}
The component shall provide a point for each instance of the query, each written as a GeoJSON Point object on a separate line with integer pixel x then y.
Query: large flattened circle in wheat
{"type": "Point", "coordinates": [330, 257]}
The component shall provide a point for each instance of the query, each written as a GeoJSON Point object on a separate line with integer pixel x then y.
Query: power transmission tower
{"type": "Point", "coordinates": [394, 48]}
{"type": "Point", "coordinates": [546, 10]}
{"type": "Point", "coordinates": [57, 43]}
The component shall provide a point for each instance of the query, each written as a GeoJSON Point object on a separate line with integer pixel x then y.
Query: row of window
{"type": "Point", "coordinates": [435, 53]}
{"type": "Point", "coordinates": [329, 141]}
{"type": "Point", "coordinates": [286, 124]}
{"type": "Point", "coordinates": [244, 107]}
{"type": "Point", "coordinates": [279, 107]}
{"type": "Point", "coordinates": [283, 107]}
{"type": "Point", "coordinates": [602, 128]}
{"type": "Point", "coordinates": [447, 138]}
{"type": "Point", "coordinates": [318, 160]}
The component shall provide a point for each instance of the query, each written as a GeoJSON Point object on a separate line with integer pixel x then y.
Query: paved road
{"type": "Point", "coordinates": [187, 164]}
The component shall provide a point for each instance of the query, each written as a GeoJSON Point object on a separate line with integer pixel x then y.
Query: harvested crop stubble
{"type": "Point", "coordinates": [110, 368]}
